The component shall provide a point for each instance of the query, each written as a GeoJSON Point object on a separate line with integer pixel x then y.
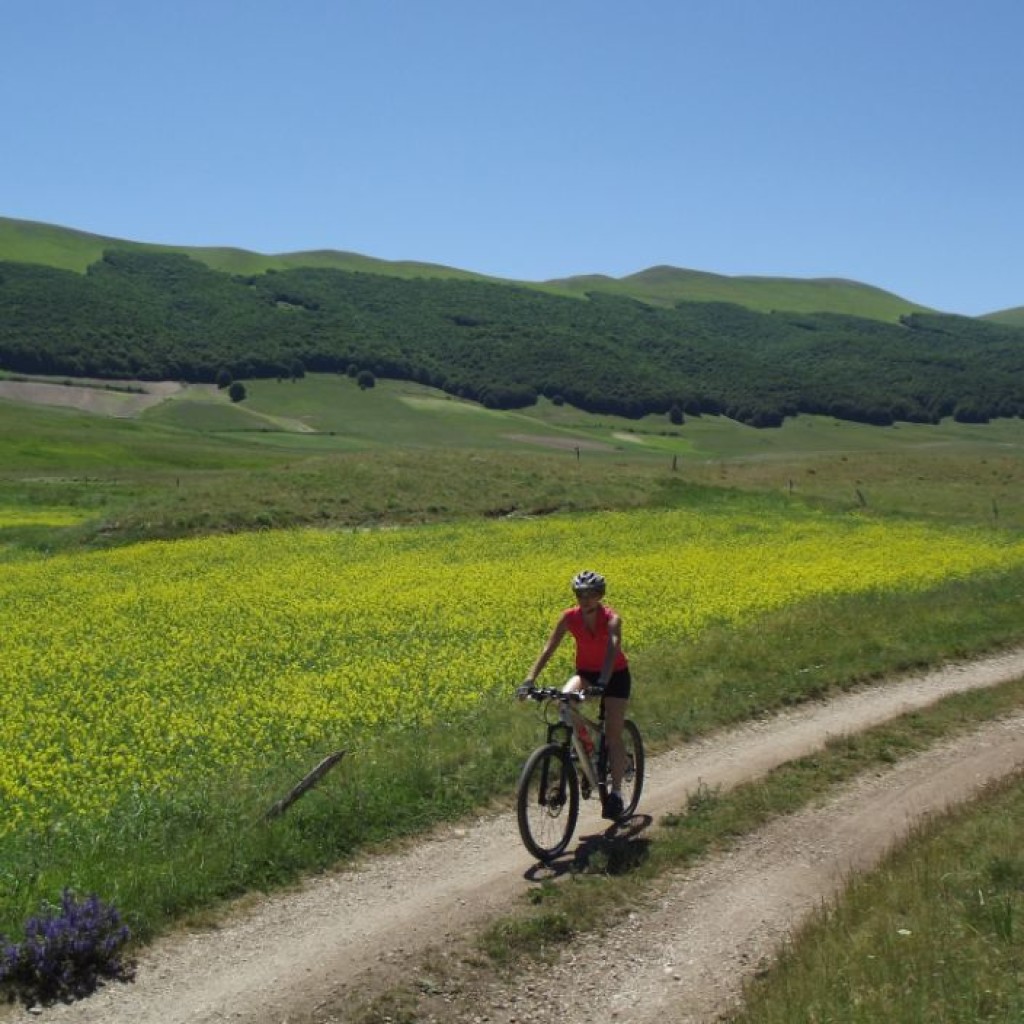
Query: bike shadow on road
{"type": "Point", "coordinates": [618, 850]}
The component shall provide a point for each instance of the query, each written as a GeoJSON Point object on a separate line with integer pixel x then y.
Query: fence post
{"type": "Point", "coordinates": [306, 784]}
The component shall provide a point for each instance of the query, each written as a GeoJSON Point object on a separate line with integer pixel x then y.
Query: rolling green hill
{"type": "Point", "coordinates": [48, 245]}
{"type": "Point", "coordinates": [1013, 316]}
{"type": "Point", "coordinates": [67, 249]}
{"type": "Point", "coordinates": [668, 285]}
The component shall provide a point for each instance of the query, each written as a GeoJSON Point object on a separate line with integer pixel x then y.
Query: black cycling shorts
{"type": "Point", "coordinates": [619, 685]}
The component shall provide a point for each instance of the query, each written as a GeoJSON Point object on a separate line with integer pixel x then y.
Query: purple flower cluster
{"type": "Point", "coordinates": [66, 953]}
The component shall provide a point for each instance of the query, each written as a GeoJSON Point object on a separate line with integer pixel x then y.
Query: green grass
{"type": "Point", "coordinates": [1014, 316]}
{"type": "Point", "coordinates": [934, 934]}
{"type": "Point", "coordinates": [63, 442]}
{"type": "Point", "coordinates": [320, 450]}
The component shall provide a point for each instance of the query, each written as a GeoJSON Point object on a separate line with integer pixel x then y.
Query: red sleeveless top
{"type": "Point", "coordinates": [591, 647]}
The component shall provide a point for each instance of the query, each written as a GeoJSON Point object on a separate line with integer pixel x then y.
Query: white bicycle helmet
{"type": "Point", "coordinates": [588, 580]}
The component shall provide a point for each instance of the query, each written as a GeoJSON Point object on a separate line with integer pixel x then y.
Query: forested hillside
{"type": "Point", "coordinates": [164, 315]}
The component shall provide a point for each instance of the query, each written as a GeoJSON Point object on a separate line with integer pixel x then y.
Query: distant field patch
{"type": "Point", "coordinates": [14, 517]}
{"type": "Point", "coordinates": [99, 399]}
{"type": "Point", "coordinates": [566, 443]}
{"type": "Point", "coordinates": [220, 415]}
{"type": "Point", "coordinates": [430, 404]}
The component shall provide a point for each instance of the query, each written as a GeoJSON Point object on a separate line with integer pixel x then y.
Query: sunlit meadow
{"type": "Point", "coordinates": [132, 672]}
{"type": "Point", "coordinates": [13, 516]}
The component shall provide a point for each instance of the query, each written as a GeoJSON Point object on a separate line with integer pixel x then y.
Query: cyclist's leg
{"type": "Point", "coordinates": [578, 684]}
{"type": "Point", "coordinates": [615, 703]}
{"type": "Point", "coordinates": [614, 718]}
{"type": "Point", "coordinates": [575, 684]}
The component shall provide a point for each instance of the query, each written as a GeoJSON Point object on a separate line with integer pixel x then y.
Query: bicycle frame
{"type": "Point", "coordinates": [566, 731]}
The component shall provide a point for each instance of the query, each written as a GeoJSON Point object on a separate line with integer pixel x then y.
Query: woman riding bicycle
{"type": "Point", "coordinates": [601, 663]}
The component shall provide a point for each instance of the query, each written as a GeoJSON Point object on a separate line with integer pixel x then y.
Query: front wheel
{"type": "Point", "coordinates": [548, 801]}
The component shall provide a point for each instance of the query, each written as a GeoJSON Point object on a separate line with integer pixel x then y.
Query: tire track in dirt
{"type": "Point", "coordinates": [312, 953]}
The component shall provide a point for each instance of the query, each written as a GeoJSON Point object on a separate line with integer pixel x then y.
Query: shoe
{"type": "Point", "coordinates": [613, 807]}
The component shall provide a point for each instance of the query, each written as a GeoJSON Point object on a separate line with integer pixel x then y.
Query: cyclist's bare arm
{"type": "Point", "coordinates": [612, 651]}
{"type": "Point", "coordinates": [557, 634]}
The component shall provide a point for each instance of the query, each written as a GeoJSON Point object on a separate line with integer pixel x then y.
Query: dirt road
{"type": "Point", "coordinates": [313, 953]}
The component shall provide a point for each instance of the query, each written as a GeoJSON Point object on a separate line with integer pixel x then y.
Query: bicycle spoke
{"type": "Point", "coordinates": [547, 802]}
{"type": "Point", "coordinates": [633, 777]}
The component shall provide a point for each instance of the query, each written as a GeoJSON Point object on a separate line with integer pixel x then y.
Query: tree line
{"type": "Point", "coordinates": [166, 316]}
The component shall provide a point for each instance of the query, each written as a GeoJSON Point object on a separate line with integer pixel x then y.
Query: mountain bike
{"type": "Point", "coordinates": [573, 762]}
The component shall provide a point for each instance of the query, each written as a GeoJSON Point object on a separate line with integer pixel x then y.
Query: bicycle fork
{"type": "Point", "coordinates": [545, 795]}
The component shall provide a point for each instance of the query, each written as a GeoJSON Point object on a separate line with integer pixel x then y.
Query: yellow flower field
{"type": "Point", "coordinates": [127, 671]}
{"type": "Point", "coordinates": [20, 516]}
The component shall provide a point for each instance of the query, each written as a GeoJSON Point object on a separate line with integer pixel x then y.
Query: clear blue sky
{"type": "Point", "coordinates": [877, 140]}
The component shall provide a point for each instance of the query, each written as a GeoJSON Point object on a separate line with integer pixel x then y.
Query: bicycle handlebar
{"type": "Point", "coordinates": [540, 693]}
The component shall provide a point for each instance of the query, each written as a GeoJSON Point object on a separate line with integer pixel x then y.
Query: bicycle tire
{"type": "Point", "coordinates": [633, 780]}
{"type": "Point", "coordinates": [547, 801]}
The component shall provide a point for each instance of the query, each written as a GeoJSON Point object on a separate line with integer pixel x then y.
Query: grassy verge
{"type": "Point", "coordinates": [810, 649]}
{"type": "Point", "coordinates": [934, 934]}
{"type": "Point", "coordinates": [319, 451]}
{"type": "Point", "coordinates": [218, 493]}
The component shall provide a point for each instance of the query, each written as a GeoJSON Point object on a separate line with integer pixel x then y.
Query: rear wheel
{"type": "Point", "coordinates": [633, 776]}
{"type": "Point", "coordinates": [547, 801]}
